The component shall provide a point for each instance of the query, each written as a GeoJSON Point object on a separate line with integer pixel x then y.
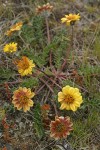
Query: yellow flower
{"type": "Point", "coordinates": [22, 99]}
{"type": "Point", "coordinates": [8, 33]}
{"type": "Point", "coordinates": [61, 127]}
{"type": "Point", "coordinates": [25, 66]}
{"type": "Point", "coordinates": [70, 98]}
{"type": "Point", "coordinates": [15, 27]}
{"type": "Point", "coordinates": [70, 19]}
{"type": "Point", "coordinates": [11, 47]}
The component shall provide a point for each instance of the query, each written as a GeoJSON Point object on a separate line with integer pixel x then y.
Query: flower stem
{"type": "Point", "coordinates": [48, 39]}
{"type": "Point", "coordinates": [48, 32]}
{"type": "Point", "coordinates": [72, 38]}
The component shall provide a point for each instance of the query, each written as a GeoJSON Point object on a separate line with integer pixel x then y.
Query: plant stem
{"type": "Point", "coordinates": [48, 39]}
{"type": "Point", "coordinates": [48, 32]}
{"type": "Point", "coordinates": [72, 43]}
{"type": "Point", "coordinates": [72, 38]}
{"type": "Point", "coordinates": [7, 91]}
{"type": "Point", "coordinates": [40, 89]}
{"type": "Point", "coordinates": [46, 83]}
{"type": "Point", "coordinates": [52, 80]}
{"type": "Point", "coordinates": [70, 49]}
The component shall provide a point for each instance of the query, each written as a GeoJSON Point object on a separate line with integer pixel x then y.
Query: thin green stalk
{"type": "Point", "coordinates": [72, 37]}
{"type": "Point", "coordinates": [48, 39]}
{"type": "Point", "coordinates": [48, 32]}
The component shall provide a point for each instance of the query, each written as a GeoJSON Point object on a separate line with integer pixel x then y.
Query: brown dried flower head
{"type": "Point", "coordinates": [45, 7]}
{"type": "Point", "coordinates": [61, 127]}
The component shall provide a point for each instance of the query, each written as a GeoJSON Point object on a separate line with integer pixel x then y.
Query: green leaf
{"type": "Point", "coordinates": [30, 82]}
{"type": "Point", "coordinates": [5, 74]}
{"type": "Point", "coordinates": [38, 121]}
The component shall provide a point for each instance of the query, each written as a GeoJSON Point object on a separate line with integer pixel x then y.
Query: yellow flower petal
{"type": "Point", "coordinates": [26, 108]}
{"type": "Point", "coordinates": [60, 96]}
{"type": "Point", "coordinates": [63, 20]}
{"type": "Point", "coordinates": [73, 108]}
{"type": "Point", "coordinates": [19, 107]}
{"type": "Point", "coordinates": [63, 106]}
{"type": "Point", "coordinates": [67, 107]}
{"type": "Point", "coordinates": [30, 103]}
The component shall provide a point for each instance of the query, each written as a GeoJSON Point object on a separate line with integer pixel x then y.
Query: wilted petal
{"type": "Point", "coordinates": [61, 127]}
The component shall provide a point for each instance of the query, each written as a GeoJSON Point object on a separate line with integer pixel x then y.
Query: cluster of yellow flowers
{"type": "Point", "coordinates": [12, 47]}
{"type": "Point", "coordinates": [70, 98]}
{"type": "Point", "coordinates": [24, 65]}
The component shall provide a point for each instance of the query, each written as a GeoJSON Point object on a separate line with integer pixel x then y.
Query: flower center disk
{"type": "Point", "coordinates": [60, 127]}
{"type": "Point", "coordinates": [23, 99]}
{"type": "Point", "coordinates": [69, 99]}
{"type": "Point", "coordinates": [25, 66]}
